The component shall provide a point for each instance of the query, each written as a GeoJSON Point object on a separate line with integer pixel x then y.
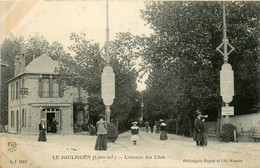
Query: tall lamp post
{"type": "Point", "coordinates": [226, 75]}
{"type": "Point", "coordinates": [107, 79]}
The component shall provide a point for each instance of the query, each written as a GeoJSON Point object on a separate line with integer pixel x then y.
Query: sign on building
{"type": "Point", "coordinates": [227, 83]}
{"type": "Point", "coordinates": [108, 85]}
{"type": "Point", "coordinates": [227, 110]}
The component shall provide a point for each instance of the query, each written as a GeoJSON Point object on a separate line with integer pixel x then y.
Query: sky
{"type": "Point", "coordinates": [57, 19]}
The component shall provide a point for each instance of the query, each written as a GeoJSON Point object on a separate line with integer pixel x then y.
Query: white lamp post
{"type": "Point", "coordinates": [107, 79]}
{"type": "Point", "coordinates": [226, 74]}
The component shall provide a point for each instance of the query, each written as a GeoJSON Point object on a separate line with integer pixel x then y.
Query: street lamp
{"type": "Point", "coordinates": [107, 78]}
{"type": "Point", "coordinates": [226, 74]}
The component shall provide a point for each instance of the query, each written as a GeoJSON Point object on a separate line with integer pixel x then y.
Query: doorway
{"type": "Point", "coordinates": [52, 118]}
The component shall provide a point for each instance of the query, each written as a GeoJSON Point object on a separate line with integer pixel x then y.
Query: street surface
{"type": "Point", "coordinates": [77, 151]}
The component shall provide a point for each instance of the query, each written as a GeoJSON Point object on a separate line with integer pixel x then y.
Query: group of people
{"type": "Point", "coordinates": [200, 130]}
{"type": "Point", "coordinates": [199, 134]}
{"type": "Point", "coordinates": [160, 127]}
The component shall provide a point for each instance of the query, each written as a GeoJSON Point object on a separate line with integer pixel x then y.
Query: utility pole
{"type": "Point", "coordinates": [226, 74]}
{"type": "Point", "coordinates": [107, 78]}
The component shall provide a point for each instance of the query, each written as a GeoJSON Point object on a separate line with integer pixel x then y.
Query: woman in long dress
{"type": "Point", "coordinates": [163, 135]}
{"type": "Point", "coordinates": [42, 133]}
{"type": "Point", "coordinates": [101, 142]}
{"type": "Point", "coordinates": [204, 133]}
{"type": "Point", "coordinates": [135, 133]}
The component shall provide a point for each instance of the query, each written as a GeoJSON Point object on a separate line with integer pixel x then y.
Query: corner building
{"type": "Point", "coordinates": [34, 94]}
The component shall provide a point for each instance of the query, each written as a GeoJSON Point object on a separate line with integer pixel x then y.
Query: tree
{"type": "Point", "coordinates": [10, 47]}
{"type": "Point", "coordinates": [182, 60]}
{"type": "Point", "coordinates": [33, 47]}
{"type": "Point", "coordinates": [85, 68]}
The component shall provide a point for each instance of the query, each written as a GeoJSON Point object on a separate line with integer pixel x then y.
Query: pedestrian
{"type": "Point", "coordinates": [197, 133]}
{"type": "Point", "coordinates": [163, 135]}
{"type": "Point", "coordinates": [54, 126]}
{"type": "Point", "coordinates": [101, 142]}
{"type": "Point", "coordinates": [42, 131]}
{"type": "Point", "coordinates": [204, 131]}
{"type": "Point", "coordinates": [157, 127]}
{"type": "Point", "coordinates": [151, 125]}
{"type": "Point", "coordinates": [147, 126]}
{"type": "Point", "coordinates": [135, 133]}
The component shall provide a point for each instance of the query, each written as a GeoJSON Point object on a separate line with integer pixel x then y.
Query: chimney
{"type": "Point", "coordinates": [22, 61]}
{"type": "Point", "coordinates": [16, 65]}
{"type": "Point", "coordinates": [19, 64]}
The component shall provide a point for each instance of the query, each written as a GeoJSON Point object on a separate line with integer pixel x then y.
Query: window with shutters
{"type": "Point", "coordinates": [49, 88]}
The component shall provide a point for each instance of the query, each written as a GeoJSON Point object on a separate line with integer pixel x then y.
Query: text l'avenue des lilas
{"type": "Point", "coordinates": [109, 157]}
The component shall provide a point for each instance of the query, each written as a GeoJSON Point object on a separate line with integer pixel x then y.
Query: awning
{"type": "Point", "coordinates": [50, 104]}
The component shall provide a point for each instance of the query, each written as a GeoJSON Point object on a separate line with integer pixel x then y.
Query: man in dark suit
{"type": "Point", "coordinates": [197, 133]}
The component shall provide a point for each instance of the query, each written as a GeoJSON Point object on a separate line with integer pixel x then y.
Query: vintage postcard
{"type": "Point", "coordinates": [128, 83]}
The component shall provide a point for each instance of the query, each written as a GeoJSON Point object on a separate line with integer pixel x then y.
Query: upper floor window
{"type": "Point", "coordinates": [48, 87]}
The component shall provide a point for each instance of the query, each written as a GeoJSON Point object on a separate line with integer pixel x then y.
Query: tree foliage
{"type": "Point", "coordinates": [183, 64]}
{"type": "Point", "coordinates": [85, 68]}
{"type": "Point", "coordinates": [34, 46]}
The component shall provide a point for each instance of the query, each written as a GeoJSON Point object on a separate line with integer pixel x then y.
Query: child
{"type": "Point", "coordinates": [163, 135]}
{"type": "Point", "coordinates": [135, 132]}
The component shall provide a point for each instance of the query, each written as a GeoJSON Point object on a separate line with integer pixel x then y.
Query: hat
{"type": "Point", "coordinates": [204, 116]}
{"type": "Point", "coordinates": [135, 122]}
{"type": "Point", "coordinates": [161, 120]}
{"type": "Point", "coordinates": [198, 112]}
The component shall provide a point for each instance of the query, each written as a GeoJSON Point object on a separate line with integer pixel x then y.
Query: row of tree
{"type": "Point", "coordinates": [184, 66]}
{"type": "Point", "coordinates": [180, 58]}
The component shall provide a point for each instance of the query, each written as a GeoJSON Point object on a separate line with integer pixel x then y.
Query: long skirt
{"type": "Point", "coordinates": [163, 135]}
{"type": "Point", "coordinates": [42, 136]}
{"type": "Point", "coordinates": [135, 137]}
{"type": "Point", "coordinates": [101, 142]}
{"type": "Point", "coordinates": [204, 139]}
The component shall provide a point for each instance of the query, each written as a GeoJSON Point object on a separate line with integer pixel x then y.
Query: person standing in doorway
{"type": "Point", "coordinates": [54, 126]}
{"type": "Point", "coordinates": [42, 131]}
{"type": "Point", "coordinates": [197, 133]}
{"type": "Point", "coordinates": [101, 142]}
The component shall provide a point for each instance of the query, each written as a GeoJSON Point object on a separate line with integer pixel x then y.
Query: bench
{"type": "Point", "coordinates": [256, 134]}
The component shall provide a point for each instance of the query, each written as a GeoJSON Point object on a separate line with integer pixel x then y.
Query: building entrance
{"type": "Point", "coordinates": [52, 116]}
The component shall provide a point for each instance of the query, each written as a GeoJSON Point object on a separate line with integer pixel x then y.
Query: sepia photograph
{"type": "Point", "coordinates": [129, 84]}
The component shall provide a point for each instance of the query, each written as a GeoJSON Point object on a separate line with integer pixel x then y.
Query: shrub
{"type": "Point", "coordinates": [227, 133]}
{"type": "Point", "coordinates": [112, 133]}
{"type": "Point", "coordinates": [84, 127]}
{"type": "Point", "coordinates": [92, 130]}
{"type": "Point", "coordinates": [170, 127]}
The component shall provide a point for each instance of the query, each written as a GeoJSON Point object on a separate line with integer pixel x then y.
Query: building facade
{"type": "Point", "coordinates": [34, 94]}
